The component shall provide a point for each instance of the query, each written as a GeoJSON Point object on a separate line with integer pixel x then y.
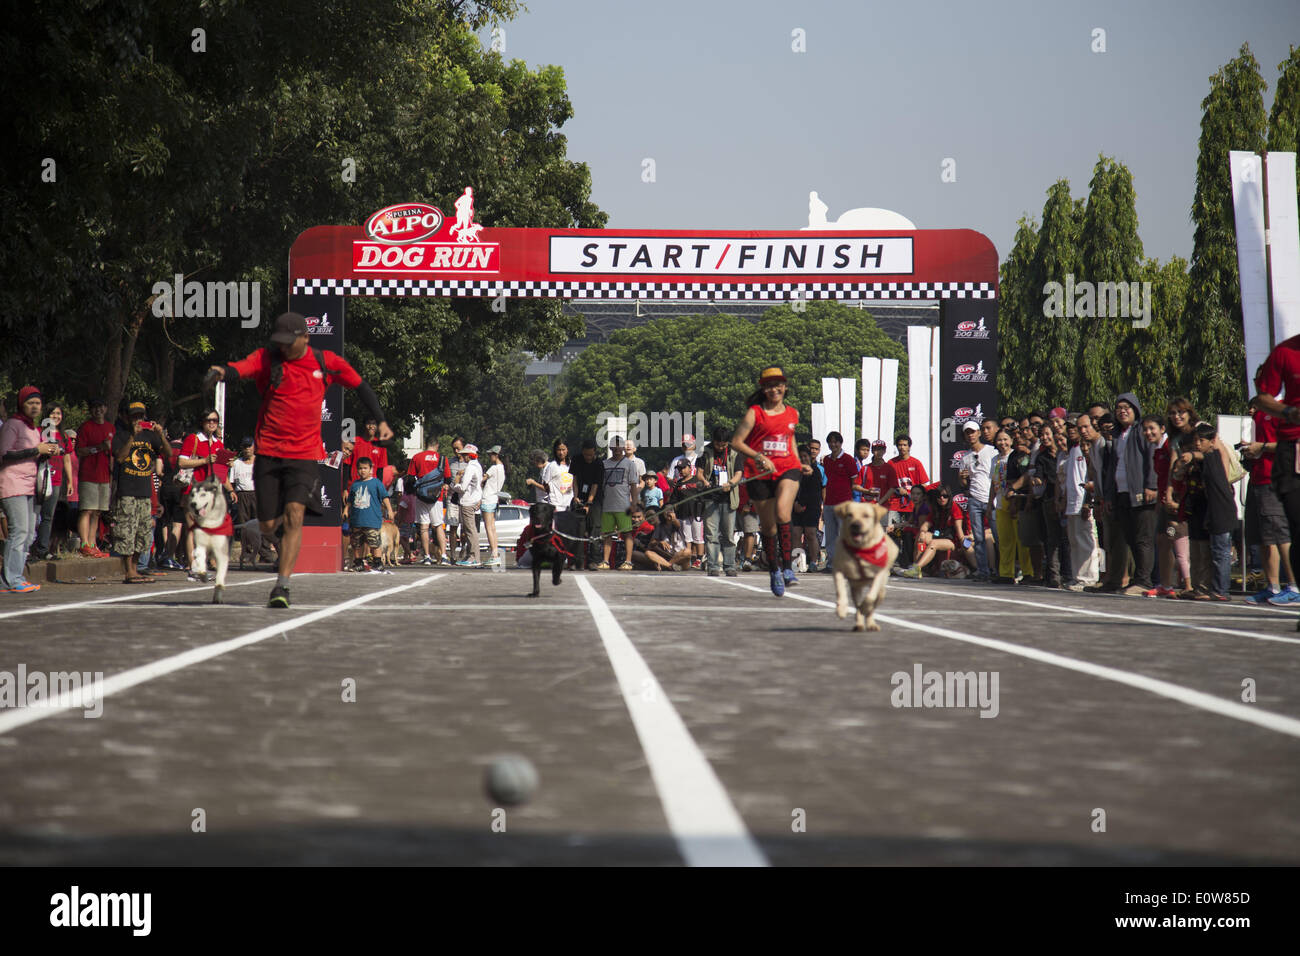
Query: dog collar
{"type": "Point", "coordinates": [877, 554]}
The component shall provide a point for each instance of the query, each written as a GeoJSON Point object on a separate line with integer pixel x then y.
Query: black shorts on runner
{"type": "Point", "coordinates": [762, 489]}
{"type": "Point", "coordinates": [279, 481]}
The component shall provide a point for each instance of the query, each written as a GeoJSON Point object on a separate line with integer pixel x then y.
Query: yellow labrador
{"type": "Point", "coordinates": [863, 556]}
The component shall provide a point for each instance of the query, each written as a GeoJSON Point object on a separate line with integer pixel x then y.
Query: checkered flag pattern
{"type": "Point", "coordinates": [775, 291]}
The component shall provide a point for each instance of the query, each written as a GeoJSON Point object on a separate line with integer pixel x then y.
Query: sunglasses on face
{"type": "Point", "coordinates": [212, 421]}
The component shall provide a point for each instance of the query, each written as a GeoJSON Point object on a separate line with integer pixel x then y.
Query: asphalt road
{"type": "Point", "coordinates": [673, 718]}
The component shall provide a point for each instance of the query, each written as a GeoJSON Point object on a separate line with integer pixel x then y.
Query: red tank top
{"type": "Point", "coordinates": [773, 436]}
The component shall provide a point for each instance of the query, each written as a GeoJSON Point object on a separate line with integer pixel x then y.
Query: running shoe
{"type": "Point", "coordinates": [1264, 596]}
{"type": "Point", "coordinates": [279, 597]}
{"type": "Point", "coordinates": [1288, 595]}
{"type": "Point", "coordinates": [790, 579]}
{"type": "Point", "coordinates": [468, 564]}
{"type": "Point", "coordinates": [625, 566]}
{"type": "Point", "coordinates": [732, 573]}
{"type": "Point", "coordinates": [426, 560]}
{"type": "Point", "coordinates": [747, 566]}
{"type": "Point", "coordinates": [25, 588]}
{"type": "Point", "coordinates": [778, 583]}
{"type": "Point", "coordinates": [913, 572]}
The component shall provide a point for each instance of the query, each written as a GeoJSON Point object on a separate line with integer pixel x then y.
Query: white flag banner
{"type": "Point", "coordinates": [1248, 208]}
{"type": "Point", "coordinates": [830, 408]}
{"type": "Point", "coordinates": [870, 398]}
{"type": "Point", "coordinates": [1284, 241]}
{"type": "Point", "coordinates": [819, 428]}
{"type": "Point", "coordinates": [848, 410]}
{"type": "Point", "coordinates": [918, 395]}
{"type": "Point", "coordinates": [936, 456]}
{"type": "Point", "coordinates": [888, 398]}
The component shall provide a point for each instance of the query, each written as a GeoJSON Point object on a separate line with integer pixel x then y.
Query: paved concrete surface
{"type": "Point", "coordinates": [1123, 705]}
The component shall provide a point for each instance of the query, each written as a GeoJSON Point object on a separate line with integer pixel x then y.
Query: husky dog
{"type": "Point", "coordinates": [207, 507]}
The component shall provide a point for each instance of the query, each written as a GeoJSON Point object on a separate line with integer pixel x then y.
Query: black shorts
{"type": "Point", "coordinates": [280, 481]}
{"type": "Point", "coordinates": [1265, 517]}
{"type": "Point", "coordinates": [763, 489]}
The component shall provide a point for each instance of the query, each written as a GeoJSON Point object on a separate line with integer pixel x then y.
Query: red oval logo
{"type": "Point", "coordinates": [965, 369]}
{"type": "Point", "coordinates": [405, 223]}
{"type": "Point", "coordinates": [965, 326]}
{"type": "Point", "coordinates": [963, 413]}
{"type": "Point", "coordinates": [959, 501]}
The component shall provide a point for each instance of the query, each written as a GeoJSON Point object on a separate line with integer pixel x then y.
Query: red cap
{"type": "Point", "coordinates": [29, 391]}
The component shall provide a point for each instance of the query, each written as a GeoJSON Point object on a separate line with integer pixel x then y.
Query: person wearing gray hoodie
{"type": "Point", "coordinates": [1129, 488]}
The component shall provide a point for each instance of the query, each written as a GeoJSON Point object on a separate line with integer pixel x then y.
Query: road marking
{"type": "Point", "coordinates": [51, 608]}
{"type": "Point", "coordinates": [1184, 695]}
{"type": "Point", "coordinates": [499, 606]}
{"type": "Point", "coordinates": [146, 672]}
{"type": "Point", "coordinates": [708, 830]}
{"type": "Point", "coordinates": [1073, 609]}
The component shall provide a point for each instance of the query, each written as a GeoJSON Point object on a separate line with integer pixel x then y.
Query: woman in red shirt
{"type": "Point", "coordinates": [765, 437]}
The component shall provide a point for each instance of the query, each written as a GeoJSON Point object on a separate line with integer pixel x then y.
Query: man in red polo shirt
{"type": "Point", "coordinates": [877, 480]}
{"type": "Point", "coordinates": [841, 470]}
{"type": "Point", "coordinates": [292, 384]}
{"type": "Point", "coordinates": [908, 471]}
{"type": "Point", "coordinates": [1280, 375]}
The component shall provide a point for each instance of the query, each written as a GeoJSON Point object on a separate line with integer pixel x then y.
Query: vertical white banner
{"type": "Point", "coordinates": [1284, 242]}
{"type": "Point", "coordinates": [848, 411]}
{"type": "Point", "coordinates": [871, 398]}
{"type": "Point", "coordinates": [888, 398]}
{"type": "Point", "coordinates": [936, 411]}
{"type": "Point", "coordinates": [219, 403]}
{"type": "Point", "coordinates": [1248, 209]}
{"type": "Point", "coordinates": [918, 394]}
{"type": "Point", "coordinates": [819, 428]}
{"type": "Point", "coordinates": [830, 408]}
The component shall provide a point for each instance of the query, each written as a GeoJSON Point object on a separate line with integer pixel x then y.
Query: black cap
{"type": "Point", "coordinates": [288, 326]}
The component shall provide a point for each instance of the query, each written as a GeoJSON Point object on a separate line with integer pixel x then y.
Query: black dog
{"type": "Point", "coordinates": [545, 545]}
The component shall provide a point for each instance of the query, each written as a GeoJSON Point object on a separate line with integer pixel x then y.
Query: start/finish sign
{"type": "Point", "coordinates": [414, 249]}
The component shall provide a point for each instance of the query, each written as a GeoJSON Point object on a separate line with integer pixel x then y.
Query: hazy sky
{"type": "Point", "coordinates": [741, 127]}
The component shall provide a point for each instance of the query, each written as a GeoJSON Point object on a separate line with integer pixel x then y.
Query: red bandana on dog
{"type": "Point", "coordinates": [877, 554]}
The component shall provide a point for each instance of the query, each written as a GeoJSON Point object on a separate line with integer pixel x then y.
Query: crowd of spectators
{"type": "Point", "coordinates": [1107, 499]}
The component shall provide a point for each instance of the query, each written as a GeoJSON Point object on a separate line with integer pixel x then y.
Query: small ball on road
{"type": "Point", "coordinates": [511, 780]}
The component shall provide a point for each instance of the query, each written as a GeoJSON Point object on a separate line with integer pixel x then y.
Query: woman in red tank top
{"type": "Point", "coordinates": [765, 437]}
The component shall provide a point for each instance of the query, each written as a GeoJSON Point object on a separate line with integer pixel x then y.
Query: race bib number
{"type": "Point", "coordinates": [776, 446]}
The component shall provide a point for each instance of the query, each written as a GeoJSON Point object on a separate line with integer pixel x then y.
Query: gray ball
{"type": "Point", "coordinates": [511, 780]}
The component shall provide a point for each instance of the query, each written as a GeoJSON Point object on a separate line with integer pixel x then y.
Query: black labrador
{"type": "Point", "coordinates": [545, 545]}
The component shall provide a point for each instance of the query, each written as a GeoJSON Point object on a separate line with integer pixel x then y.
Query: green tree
{"type": "Point", "coordinates": [1150, 358]}
{"type": "Point", "coordinates": [1214, 359]}
{"type": "Point", "coordinates": [1020, 316]}
{"type": "Point", "coordinates": [1049, 353]}
{"type": "Point", "coordinates": [1110, 252]}
{"type": "Point", "coordinates": [211, 163]}
{"type": "Point", "coordinates": [497, 407]}
{"type": "Point", "coordinates": [709, 364]}
{"type": "Point", "coordinates": [1284, 117]}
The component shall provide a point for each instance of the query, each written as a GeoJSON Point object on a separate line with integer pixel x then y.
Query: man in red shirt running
{"type": "Point", "coordinates": [292, 384]}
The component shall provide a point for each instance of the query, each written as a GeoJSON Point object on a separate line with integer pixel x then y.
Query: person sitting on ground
{"type": "Point", "coordinates": [936, 529]}
{"type": "Point", "coordinates": [669, 544]}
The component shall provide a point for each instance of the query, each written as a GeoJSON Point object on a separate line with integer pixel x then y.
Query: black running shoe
{"type": "Point", "coordinates": [279, 597]}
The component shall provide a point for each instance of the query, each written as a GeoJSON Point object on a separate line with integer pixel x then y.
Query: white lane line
{"type": "Point", "coordinates": [499, 606]}
{"type": "Point", "coordinates": [1162, 622]}
{"type": "Point", "coordinates": [708, 830]}
{"type": "Point", "coordinates": [140, 595]}
{"type": "Point", "coordinates": [1184, 695]}
{"type": "Point", "coordinates": [71, 700]}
